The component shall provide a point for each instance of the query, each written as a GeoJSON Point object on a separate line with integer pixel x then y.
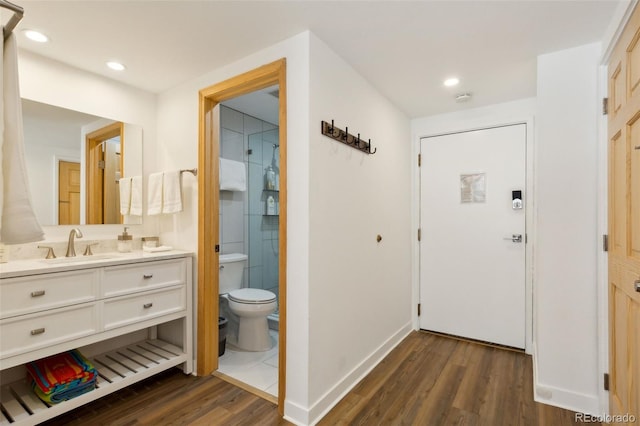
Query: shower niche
{"type": "Point", "coordinates": [271, 188]}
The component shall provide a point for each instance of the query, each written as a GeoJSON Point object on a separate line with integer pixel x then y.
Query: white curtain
{"type": "Point", "coordinates": [19, 224]}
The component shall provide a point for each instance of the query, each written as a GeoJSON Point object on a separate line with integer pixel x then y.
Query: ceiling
{"type": "Point", "coordinates": [403, 48]}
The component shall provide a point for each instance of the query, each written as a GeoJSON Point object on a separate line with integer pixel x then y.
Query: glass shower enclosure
{"type": "Point", "coordinates": [263, 207]}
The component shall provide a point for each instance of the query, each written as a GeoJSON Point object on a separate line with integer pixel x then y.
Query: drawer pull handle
{"type": "Point", "coordinates": [37, 331]}
{"type": "Point", "coordinates": [37, 293]}
{"type": "Point", "coordinates": [148, 305]}
{"type": "Point", "coordinates": [147, 276]}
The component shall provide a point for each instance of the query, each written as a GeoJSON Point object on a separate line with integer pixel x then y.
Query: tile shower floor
{"type": "Point", "coordinates": [257, 369]}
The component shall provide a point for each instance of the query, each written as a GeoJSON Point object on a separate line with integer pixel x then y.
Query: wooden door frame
{"type": "Point", "coordinates": [95, 175]}
{"type": "Point", "coordinates": [208, 208]}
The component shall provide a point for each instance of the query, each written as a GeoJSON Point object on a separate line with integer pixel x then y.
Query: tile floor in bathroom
{"type": "Point", "coordinates": [257, 369]}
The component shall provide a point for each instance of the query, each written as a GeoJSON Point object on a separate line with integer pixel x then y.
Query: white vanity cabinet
{"type": "Point", "coordinates": [57, 307]}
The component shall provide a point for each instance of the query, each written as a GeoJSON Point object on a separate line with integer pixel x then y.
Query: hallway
{"type": "Point", "coordinates": [427, 380]}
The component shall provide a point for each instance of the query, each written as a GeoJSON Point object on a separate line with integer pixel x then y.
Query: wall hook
{"type": "Point", "coordinates": [343, 136]}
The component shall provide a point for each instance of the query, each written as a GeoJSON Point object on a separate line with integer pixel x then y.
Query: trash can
{"type": "Point", "coordinates": [222, 335]}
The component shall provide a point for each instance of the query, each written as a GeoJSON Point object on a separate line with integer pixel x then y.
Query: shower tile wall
{"type": "Point", "coordinates": [243, 226]}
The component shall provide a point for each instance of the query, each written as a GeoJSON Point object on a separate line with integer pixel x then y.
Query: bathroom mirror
{"type": "Point", "coordinates": [74, 162]}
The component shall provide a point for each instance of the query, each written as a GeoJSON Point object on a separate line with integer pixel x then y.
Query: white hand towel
{"type": "Point", "coordinates": [124, 185]}
{"type": "Point", "coordinates": [171, 192]}
{"type": "Point", "coordinates": [19, 223]}
{"type": "Point", "coordinates": [233, 175]}
{"type": "Point", "coordinates": [136, 196]}
{"type": "Point", "coordinates": [154, 194]}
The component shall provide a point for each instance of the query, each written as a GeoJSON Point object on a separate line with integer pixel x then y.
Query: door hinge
{"type": "Point", "coordinates": [606, 381]}
{"type": "Point", "coordinates": [605, 106]}
{"type": "Point", "coordinates": [605, 242]}
{"type": "Point", "coordinates": [101, 164]}
{"type": "Point", "coordinates": [419, 309]}
{"type": "Point", "coordinates": [217, 248]}
{"type": "Point", "coordinates": [419, 160]}
{"type": "Point", "coordinates": [419, 234]}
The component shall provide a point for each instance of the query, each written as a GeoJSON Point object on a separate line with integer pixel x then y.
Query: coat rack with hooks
{"type": "Point", "coordinates": [329, 130]}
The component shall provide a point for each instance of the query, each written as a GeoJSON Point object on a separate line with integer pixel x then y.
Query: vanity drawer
{"type": "Point", "coordinates": [119, 280]}
{"type": "Point", "coordinates": [122, 311]}
{"type": "Point", "coordinates": [35, 293]}
{"type": "Point", "coordinates": [30, 332]}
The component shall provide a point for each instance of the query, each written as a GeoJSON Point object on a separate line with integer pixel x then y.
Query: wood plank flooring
{"type": "Point", "coordinates": [427, 380]}
{"type": "Point", "coordinates": [172, 398]}
{"type": "Point", "coordinates": [434, 380]}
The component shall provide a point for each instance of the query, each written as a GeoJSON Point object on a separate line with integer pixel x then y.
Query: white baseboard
{"type": "Point", "coordinates": [295, 413]}
{"type": "Point", "coordinates": [569, 400]}
{"type": "Point", "coordinates": [563, 398]}
{"type": "Point", "coordinates": [300, 416]}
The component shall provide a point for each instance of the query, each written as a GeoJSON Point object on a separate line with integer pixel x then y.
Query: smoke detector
{"type": "Point", "coordinates": [463, 97]}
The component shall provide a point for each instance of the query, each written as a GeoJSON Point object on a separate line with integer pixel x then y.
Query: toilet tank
{"type": "Point", "coordinates": [231, 268]}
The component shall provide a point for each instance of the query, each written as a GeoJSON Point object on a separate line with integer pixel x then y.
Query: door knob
{"type": "Point", "coordinates": [636, 285]}
{"type": "Point", "coordinates": [516, 238]}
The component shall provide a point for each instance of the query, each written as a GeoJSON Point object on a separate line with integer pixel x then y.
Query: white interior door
{"type": "Point", "coordinates": [472, 262]}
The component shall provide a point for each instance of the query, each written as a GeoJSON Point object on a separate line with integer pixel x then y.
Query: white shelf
{"type": "Point", "coordinates": [116, 369]}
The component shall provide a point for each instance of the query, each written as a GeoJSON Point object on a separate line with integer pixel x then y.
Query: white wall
{"type": "Point", "coordinates": [43, 149]}
{"type": "Point", "coordinates": [177, 147]}
{"type": "Point", "coordinates": [329, 345]}
{"type": "Point", "coordinates": [359, 289]}
{"type": "Point", "coordinates": [50, 82]}
{"type": "Point", "coordinates": [567, 241]}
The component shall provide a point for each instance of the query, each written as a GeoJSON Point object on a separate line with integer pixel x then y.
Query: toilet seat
{"type": "Point", "coordinates": [253, 296]}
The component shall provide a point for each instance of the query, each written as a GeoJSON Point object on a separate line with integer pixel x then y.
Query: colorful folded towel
{"type": "Point", "coordinates": [65, 394]}
{"type": "Point", "coordinates": [62, 376]}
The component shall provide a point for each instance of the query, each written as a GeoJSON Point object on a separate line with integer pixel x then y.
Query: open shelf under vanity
{"type": "Point", "coordinates": [116, 369]}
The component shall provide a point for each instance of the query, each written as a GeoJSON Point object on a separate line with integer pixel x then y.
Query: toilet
{"type": "Point", "coordinates": [250, 305]}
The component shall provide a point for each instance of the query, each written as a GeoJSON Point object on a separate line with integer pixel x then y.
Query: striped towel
{"type": "Point", "coordinates": [65, 394]}
{"type": "Point", "coordinates": [62, 376]}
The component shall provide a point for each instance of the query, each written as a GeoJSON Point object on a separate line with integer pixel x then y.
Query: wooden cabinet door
{"type": "Point", "coordinates": [624, 221]}
{"type": "Point", "coordinates": [68, 193]}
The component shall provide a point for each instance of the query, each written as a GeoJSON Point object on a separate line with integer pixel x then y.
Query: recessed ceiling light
{"type": "Point", "coordinates": [116, 66]}
{"type": "Point", "coordinates": [451, 82]}
{"type": "Point", "coordinates": [36, 36]}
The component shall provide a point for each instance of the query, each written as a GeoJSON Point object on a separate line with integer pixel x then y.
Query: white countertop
{"type": "Point", "coordinates": [21, 268]}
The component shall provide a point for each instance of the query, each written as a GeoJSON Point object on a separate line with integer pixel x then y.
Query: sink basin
{"type": "Point", "coordinates": [80, 259]}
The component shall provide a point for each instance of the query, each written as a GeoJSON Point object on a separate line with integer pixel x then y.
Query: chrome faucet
{"type": "Point", "coordinates": [71, 249]}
